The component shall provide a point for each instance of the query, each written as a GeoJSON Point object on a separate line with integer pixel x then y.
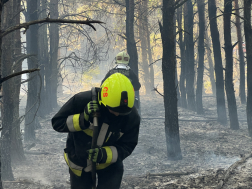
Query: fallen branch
{"type": "Point", "coordinates": [19, 181]}
{"type": "Point", "coordinates": [36, 153]}
{"type": "Point", "coordinates": [231, 169]}
{"type": "Point", "coordinates": [188, 120]}
{"type": "Point", "coordinates": [176, 174]}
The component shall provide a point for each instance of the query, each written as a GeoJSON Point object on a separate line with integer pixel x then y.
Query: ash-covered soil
{"type": "Point", "coordinates": [208, 150]}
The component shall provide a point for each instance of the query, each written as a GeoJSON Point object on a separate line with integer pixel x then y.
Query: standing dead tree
{"type": "Point", "coordinates": [169, 70]}
{"type": "Point", "coordinates": [242, 92]}
{"type": "Point", "coordinates": [220, 94]}
{"type": "Point", "coordinates": [201, 51]}
{"type": "Point", "coordinates": [248, 38]}
{"type": "Point", "coordinates": [5, 148]}
{"type": "Point", "coordinates": [229, 86]}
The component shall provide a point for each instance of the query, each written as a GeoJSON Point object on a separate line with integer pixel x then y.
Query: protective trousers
{"type": "Point", "coordinates": [108, 178]}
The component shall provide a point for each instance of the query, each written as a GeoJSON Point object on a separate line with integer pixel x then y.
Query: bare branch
{"type": "Point", "coordinates": [18, 73]}
{"type": "Point", "coordinates": [49, 20]}
{"type": "Point", "coordinates": [155, 61]}
{"type": "Point", "coordinates": [178, 3]}
{"type": "Point", "coordinates": [235, 44]}
{"type": "Point", "coordinates": [155, 89]}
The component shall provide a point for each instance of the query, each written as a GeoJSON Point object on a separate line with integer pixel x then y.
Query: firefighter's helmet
{"type": "Point", "coordinates": [122, 58]}
{"type": "Point", "coordinates": [117, 94]}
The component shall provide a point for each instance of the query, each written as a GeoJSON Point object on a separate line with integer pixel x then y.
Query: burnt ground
{"type": "Point", "coordinates": [208, 150]}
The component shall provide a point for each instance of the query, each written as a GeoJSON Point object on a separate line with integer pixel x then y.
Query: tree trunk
{"type": "Point", "coordinates": [31, 120]}
{"type": "Point", "coordinates": [232, 109]}
{"type": "Point", "coordinates": [43, 59]}
{"type": "Point", "coordinates": [17, 151]}
{"type": "Point", "coordinates": [183, 101]}
{"type": "Point", "coordinates": [190, 57]}
{"type": "Point", "coordinates": [1, 157]}
{"type": "Point", "coordinates": [170, 94]}
{"type": "Point", "coordinates": [210, 63]}
{"type": "Point", "coordinates": [242, 92]}
{"type": "Point", "coordinates": [8, 97]}
{"type": "Point", "coordinates": [131, 44]}
{"type": "Point", "coordinates": [150, 55]}
{"type": "Point", "coordinates": [201, 53]}
{"type": "Point", "coordinates": [220, 95]}
{"type": "Point", "coordinates": [248, 39]}
{"type": "Point", "coordinates": [143, 35]}
{"type": "Point", "coordinates": [54, 45]}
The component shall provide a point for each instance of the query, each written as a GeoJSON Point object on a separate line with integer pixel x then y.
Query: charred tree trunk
{"type": "Point", "coordinates": [175, 52]}
{"type": "Point", "coordinates": [170, 93]}
{"type": "Point", "coordinates": [43, 58]}
{"type": "Point", "coordinates": [17, 151]}
{"type": "Point", "coordinates": [8, 98]}
{"type": "Point", "coordinates": [31, 121]}
{"type": "Point", "coordinates": [210, 63]}
{"type": "Point", "coordinates": [143, 35]}
{"type": "Point", "coordinates": [241, 55]}
{"type": "Point", "coordinates": [183, 101]}
{"type": "Point", "coordinates": [54, 45]}
{"type": "Point", "coordinates": [220, 95]}
{"type": "Point", "coordinates": [232, 108]}
{"type": "Point", "coordinates": [201, 53]}
{"type": "Point", "coordinates": [150, 55]}
{"type": "Point", "coordinates": [1, 156]}
{"type": "Point", "coordinates": [190, 57]}
{"type": "Point", "coordinates": [248, 39]}
{"type": "Point", "coordinates": [131, 44]}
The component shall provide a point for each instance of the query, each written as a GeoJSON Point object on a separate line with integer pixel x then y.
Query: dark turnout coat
{"type": "Point", "coordinates": [118, 134]}
{"type": "Point", "coordinates": [128, 73]}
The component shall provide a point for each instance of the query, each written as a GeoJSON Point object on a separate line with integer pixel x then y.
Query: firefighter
{"type": "Point", "coordinates": [122, 66]}
{"type": "Point", "coordinates": [118, 132]}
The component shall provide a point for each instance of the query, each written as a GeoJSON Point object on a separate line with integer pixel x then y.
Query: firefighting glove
{"type": "Point", "coordinates": [90, 108]}
{"type": "Point", "coordinates": [97, 155]}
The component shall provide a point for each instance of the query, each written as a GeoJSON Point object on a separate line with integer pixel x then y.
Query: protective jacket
{"type": "Point", "coordinates": [118, 134]}
{"type": "Point", "coordinates": [125, 70]}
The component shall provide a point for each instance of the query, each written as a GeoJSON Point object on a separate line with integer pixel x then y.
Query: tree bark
{"type": "Point", "coordinates": [54, 45]}
{"type": "Point", "coordinates": [143, 35]}
{"type": "Point", "coordinates": [170, 93]}
{"type": "Point", "coordinates": [201, 53]}
{"type": "Point", "coordinates": [183, 101]}
{"type": "Point", "coordinates": [150, 54]}
{"type": "Point", "coordinates": [43, 59]}
{"type": "Point", "coordinates": [210, 63]}
{"type": "Point", "coordinates": [242, 92]}
{"type": "Point", "coordinates": [31, 121]}
{"type": "Point", "coordinates": [17, 151]}
{"type": "Point", "coordinates": [8, 97]}
{"type": "Point", "coordinates": [248, 39]}
{"type": "Point", "coordinates": [232, 108]}
{"type": "Point", "coordinates": [220, 94]}
{"type": "Point", "coordinates": [190, 56]}
{"type": "Point", "coordinates": [131, 44]}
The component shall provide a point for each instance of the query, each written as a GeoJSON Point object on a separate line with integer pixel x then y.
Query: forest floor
{"type": "Point", "coordinates": [214, 156]}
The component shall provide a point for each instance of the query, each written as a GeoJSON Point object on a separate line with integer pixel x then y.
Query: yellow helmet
{"type": "Point", "coordinates": [117, 93]}
{"type": "Point", "coordinates": [122, 58]}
